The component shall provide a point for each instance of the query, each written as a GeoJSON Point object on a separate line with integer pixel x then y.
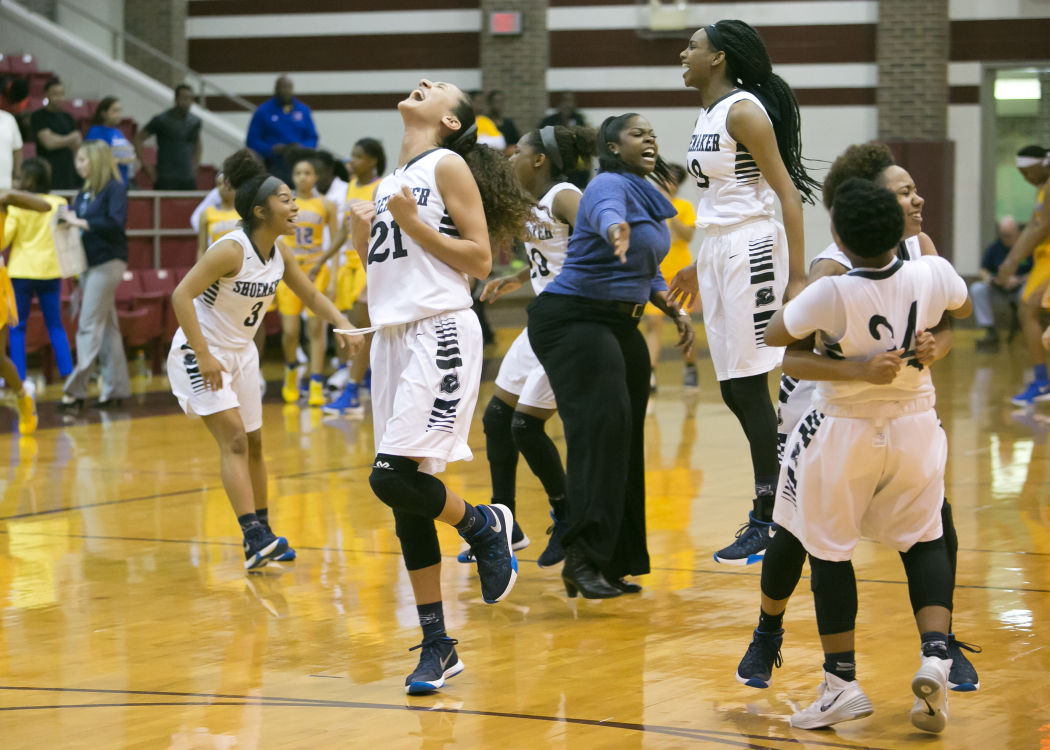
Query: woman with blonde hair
{"type": "Point", "coordinates": [100, 210]}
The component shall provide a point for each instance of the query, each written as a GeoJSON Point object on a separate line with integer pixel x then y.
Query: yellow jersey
{"type": "Point", "coordinates": [678, 255]}
{"type": "Point", "coordinates": [32, 243]}
{"type": "Point", "coordinates": [356, 191]}
{"type": "Point", "coordinates": [219, 221]}
{"type": "Point", "coordinates": [308, 240]}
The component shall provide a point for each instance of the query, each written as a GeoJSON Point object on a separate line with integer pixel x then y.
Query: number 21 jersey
{"type": "Point", "coordinates": [405, 282]}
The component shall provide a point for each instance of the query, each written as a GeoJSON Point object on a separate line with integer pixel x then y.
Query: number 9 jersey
{"type": "Point", "coordinates": [405, 282]}
{"type": "Point", "coordinates": [548, 239]}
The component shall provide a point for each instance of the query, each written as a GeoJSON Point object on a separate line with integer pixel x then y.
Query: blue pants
{"type": "Point", "coordinates": [48, 291]}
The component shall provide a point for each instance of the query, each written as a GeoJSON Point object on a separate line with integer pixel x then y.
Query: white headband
{"type": "Point", "coordinates": [1031, 161]}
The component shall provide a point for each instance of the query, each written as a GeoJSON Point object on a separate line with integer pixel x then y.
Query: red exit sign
{"type": "Point", "coordinates": [505, 22]}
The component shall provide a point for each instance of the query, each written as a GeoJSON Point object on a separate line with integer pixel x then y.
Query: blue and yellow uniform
{"type": "Point", "coordinates": [350, 278]}
{"type": "Point", "coordinates": [307, 245]}
{"type": "Point", "coordinates": [8, 311]}
{"type": "Point", "coordinates": [218, 221]}
{"type": "Point", "coordinates": [1039, 276]}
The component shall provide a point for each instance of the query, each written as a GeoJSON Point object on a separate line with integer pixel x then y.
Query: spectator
{"type": "Point", "coordinates": [989, 290]}
{"type": "Point", "coordinates": [178, 135]}
{"type": "Point", "coordinates": [280, 125]}
{"type": "Point", "coordinates": [57, 137]}
{"type": "Point", "coordinates": [488, 133]}
{"type": "Point", "coordinates": [101, 213]}
{"type": "Point", "coordinates": [34, 268]}
{"type": "Point", "coordinates": [105, 126]}
{"type": "Point", "coordinates": [505, 125]}
{"type": "Point", "coordinates": [10, 150]}
{"type": "Point", "coordinates": [566, 114]}
{"type": "Point", "coordinates": [332, 178]}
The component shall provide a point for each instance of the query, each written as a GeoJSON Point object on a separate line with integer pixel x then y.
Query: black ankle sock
{"type": "Point", "coordinates": [558, 507]}
{"type": "Point", "coordinates": [770, 623]}
{"type": "Point", "coordinates": [473, 525]}
{"type": "Point", "coordinates": [843, 665]}
{"type": "Point", "coordinates": [251, 527]}
{"type": "Point", "coordinates": [431, 619]}
{"type": "Point", "coordinates": [263, 514]}
{"type": "Point", "coordinates": [763, 507]}
{"type": "Point", "coordinates": [935, 644]}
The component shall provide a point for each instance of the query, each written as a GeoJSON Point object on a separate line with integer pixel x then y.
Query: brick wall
{"type": "Point", "coordinates": [518, 64]}
{"type": "Point", "coordinates": [912, 54]}
{"type": "Point", "coordinates": [160, 24]}
{"type": "Point", "coordinates": [1042, 134]}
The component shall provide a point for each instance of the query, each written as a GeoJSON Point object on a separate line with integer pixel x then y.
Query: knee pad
{"type": "Point", "coordinates": [525, 429]}
{"type": "Point", "coordinates": [782, 565]}
{"type": "Point", "coordinates": [929, 572]}
{"type": "Point", "coordinates": [497, 417]}
{"type": "Point", "coordinates": [419, 540]}
{"type": "Point", "coordinates": [834, 588]}
{"type": "Point", "coordinates": [398, 482]}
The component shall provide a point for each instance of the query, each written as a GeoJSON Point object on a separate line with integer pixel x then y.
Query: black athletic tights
{"type": "Point", "coordinates": [748, 398]}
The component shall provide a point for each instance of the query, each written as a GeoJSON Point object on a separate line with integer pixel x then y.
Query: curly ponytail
{"type": "Point", "coordinates": [507, 205]}
{"type": "Point", "coordinates": [748, 64]}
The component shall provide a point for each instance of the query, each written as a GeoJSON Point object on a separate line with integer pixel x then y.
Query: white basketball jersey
{"type": "Point", "coordinates": [732, 188]}
{"type": "Point", "coordinates": [405, 282]}
{"type": "Point", "coordinates": [231, 310]}
{"type": "Point", "coordinates": [548, 239]}
{"type": "Point", "coordinates": [908, 249]}
{"type": "Point", "coordinates": [880, 310]}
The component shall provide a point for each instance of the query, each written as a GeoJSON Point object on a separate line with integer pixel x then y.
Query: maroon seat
{"type": "Point", "coordinates": [178, 252]}
{"type": "Point", "coordinates": [140, 213]}
{"type": "Point", "coordinates": [23, 64]}
{"type": "Point", "coordinates": [140, 253]}
{"type": "Point", "coordinates": [175, 212]}
{"type": "Point", "coordinates": [162, 281]}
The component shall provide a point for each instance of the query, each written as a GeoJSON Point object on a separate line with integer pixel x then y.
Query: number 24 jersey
{"type": "Point", "coordinates": [405, 282]}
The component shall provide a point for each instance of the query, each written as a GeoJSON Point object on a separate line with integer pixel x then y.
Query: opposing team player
{"type": "Point", "coordinates": [745, 150]}
{"type": "Point", "coordinates": [523, 400]}
{"type": "Point", "coordinates": [784, 558]}
{"type": "Point", "coordinates": [868, 459]}
{"type": "Point", "coordinates": [315, 215]}
{"type": "Point", "coordinates": [213, 365]}
{"type": "Point", "coordinates": [424, 236]}
{"type": "Point", "coordinates": [217, 220]}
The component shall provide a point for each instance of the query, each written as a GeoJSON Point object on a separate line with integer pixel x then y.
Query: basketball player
{"type": "Point", "coordinates": [745, 150]}
{"type": "Point", "coordinates": [868, 459]}
{"type": "Point", "coordinates": [213, 363]}
{"type": "Point", "coordinates": [315, 215]}
{"type": "Point", "coordinates": [423, 237]}
{"type": "Point", "coordinates": [218, 220]}
{"type": "Point", "coordinates": [782, 565]}
{"type": "Point", "coordinates": [1034, 164]}
{"type": "Point", "coordinates": [24, 396]}
{"type": "Point", "coordinates": [523, 400]}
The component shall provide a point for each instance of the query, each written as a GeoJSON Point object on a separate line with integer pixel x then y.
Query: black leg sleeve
{"type": "Point", "coordinates": [834, 595]}
{"type": "Point", "coordinates": [782, 565]}
{"type": "Point", "coordinates": [930, 580]}
{"type": "Point", "coordinates": [540, 452]}
{"type": "Point", "coordinates": [501, 452]}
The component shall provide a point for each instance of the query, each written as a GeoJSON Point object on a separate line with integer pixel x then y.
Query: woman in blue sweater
{"type": "Point", "coordinates": [584, 330]}
{"type": "Point", "coordinates": [101, 209]}
{"type": "Point", "coordinates": [105, 127]}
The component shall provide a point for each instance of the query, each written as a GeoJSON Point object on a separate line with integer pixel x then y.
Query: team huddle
{"type": "Point", "coordinates": [854, 450]}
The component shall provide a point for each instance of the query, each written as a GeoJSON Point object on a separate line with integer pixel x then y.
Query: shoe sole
{"type": "Point", "coordinates": [288, 556]}
{"type": "Point", "coordinates": [927, 689]}
{"type": "Point", "coordinates": [755, 682]}
{"type": "Point", "coordinates": [350, 411]}
{"type": "Point", "coordinates": [741, 561]}
{"type": "Point", "coordinates": [270, 552]}
{"type": "Point", "coordinates": [508, 530]}
{"type": "Point", "coordinates": [964, 687]}
{"type": "Point", "coordinates": [422, 688]}
{"type": "Point", "coordinates": [858, 707]}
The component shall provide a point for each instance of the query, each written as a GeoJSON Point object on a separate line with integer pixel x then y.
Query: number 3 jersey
{"type": "Point", "coordinates": [231, 310]}
{"type": "Point", "coordinates": [548, 239]}
{"type": "Point", "coordinates": [405, 282]}
{"type": "Point", "coordinates": [873, 310]}
{"type": "Point", "coordinates": [732, 188]}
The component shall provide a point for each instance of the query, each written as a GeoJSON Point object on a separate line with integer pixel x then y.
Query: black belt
{"type": "Point", "coordinates": [630, 309]}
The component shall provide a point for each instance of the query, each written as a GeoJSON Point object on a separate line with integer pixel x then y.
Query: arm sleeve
{"type": "Point", "coordinates": [608, 207]}
{"type": "Point", "coordinates": [952, 285]}
{"type": "Point", "coordinates": [10, 229]}
{"type": "Point", "coordinates": [254, 139]}
{"type": "Point", "coordinates": [817, 308]}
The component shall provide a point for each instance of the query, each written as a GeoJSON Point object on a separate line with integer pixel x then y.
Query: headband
{"type": "Point", "coordinates": [463, 137]}
{"type": "Point", "coordinates": [550, 148]}
{"type": "Point", "coordinates": [1031, 161]}
{"type": "Point", "coordinates": [714, 36]}
{"type": "Point", "coordinates": [268, 187]}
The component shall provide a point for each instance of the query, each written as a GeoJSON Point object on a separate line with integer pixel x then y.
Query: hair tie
{"type": "Point", "coordinates": [550, 148]}
{"type": "Point", "coordinates": [1031, 161]}
{"type": "Point", "coordinates": [714, 36]}
{"type": "Point", "coordinates": [268, 187]}
{"type": "Point", "coordinates": [463, 137]}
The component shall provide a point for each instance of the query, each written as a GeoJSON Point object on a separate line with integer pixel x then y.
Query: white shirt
{"type": "Point", "coordinates": [10, 141]}
{"type": "Point", "coordinates": [908, 249]}
{"type": "Point", "coordinates": [211, 199]}
{"type": "Point", "coordinates": [732, 188]}
{"type": "Point", "coordinates": [869, 311]}
{"type": "Point", "coordinates": [405, 282]}
{"type": "Point", "coordinates": [548, 239]}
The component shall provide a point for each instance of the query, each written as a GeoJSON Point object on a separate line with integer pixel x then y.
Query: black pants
{"type": "Point", "coordinates": [598, 365]}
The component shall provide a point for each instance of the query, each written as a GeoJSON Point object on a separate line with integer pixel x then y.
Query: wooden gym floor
{"type": "Point", "coordinates": [128, 621]}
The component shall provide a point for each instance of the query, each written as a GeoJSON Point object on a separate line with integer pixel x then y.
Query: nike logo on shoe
{"type": "Point", "coordinates": [496, 525]}
{"type": "Point", "coordinates": [444, 662]}
{"type": "Point", "coordinates": [826, 706]}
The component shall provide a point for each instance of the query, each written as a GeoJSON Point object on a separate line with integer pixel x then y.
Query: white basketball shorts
{"type": "Point", "coordinates": [522, 374]}
{"type": "Point", "coordinates": [845, 478]}
{"type": "Point", "coordinates": [794, 400]}
{"type": "Point", "coordinates": [425, 380]}
{"type": "Point", "coordinates": [742, 273]}
{"type": "Point", "coordinates": [240, 382]}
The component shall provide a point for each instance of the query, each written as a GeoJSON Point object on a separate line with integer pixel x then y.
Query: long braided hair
{"type": "Point", "coordinates": [748, 66]}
